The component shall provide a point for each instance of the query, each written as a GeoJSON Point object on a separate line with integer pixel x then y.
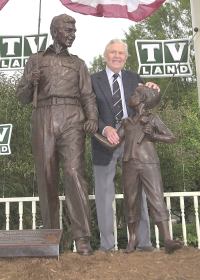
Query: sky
{"type": "Point", "coordinates": [20, 17]}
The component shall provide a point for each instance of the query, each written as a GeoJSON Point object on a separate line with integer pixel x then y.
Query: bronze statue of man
{"type": "Point", "coordinates": [66, 109]}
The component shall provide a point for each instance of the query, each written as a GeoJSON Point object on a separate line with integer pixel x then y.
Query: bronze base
{"type": "Point", "coordinates": [30, 243]}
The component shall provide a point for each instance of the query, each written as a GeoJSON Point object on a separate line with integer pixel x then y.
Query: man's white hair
{"type": "Point", "coordinates": [115, 41]}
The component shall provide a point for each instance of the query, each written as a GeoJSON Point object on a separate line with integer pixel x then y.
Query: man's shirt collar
{"type": "Point", "coordinates": [110, 73]}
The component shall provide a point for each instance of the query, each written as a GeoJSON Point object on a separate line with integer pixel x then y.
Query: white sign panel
{"type": "Point", "coordinates": [5, 136]}
{"type": "Point", "coordinates": [163, 58]}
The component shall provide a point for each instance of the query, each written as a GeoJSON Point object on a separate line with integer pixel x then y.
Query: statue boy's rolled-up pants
{"type": "Point", "coordinates": [58, 137]}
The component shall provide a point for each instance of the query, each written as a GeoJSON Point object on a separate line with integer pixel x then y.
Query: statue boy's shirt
{"type": "Point", "coordinates": [131, 130]}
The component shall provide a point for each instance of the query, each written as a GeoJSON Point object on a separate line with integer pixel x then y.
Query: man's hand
{"type": "Point", "coordinates": [91, 126]}
{"type": "Point", "coordinates": [111, 134]}
{"type": "Point", "coordinates": [153, 86]}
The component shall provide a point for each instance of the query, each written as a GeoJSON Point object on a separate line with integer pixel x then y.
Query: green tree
{"type": "Point", "coordinates": [17, 169]}
{"type": "Point", "coordinates": [97, 65]}
{"type": "Point", "coordinates": [171, 21]}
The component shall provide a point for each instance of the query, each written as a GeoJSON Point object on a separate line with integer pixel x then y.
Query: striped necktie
{"type": "Point", "coordinates": [117, 101]}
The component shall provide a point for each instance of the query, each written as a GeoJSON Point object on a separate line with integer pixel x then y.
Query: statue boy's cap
{"type": "Point", "coordinates": [149, 96]}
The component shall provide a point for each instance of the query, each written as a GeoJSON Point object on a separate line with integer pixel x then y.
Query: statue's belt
{"type": "Point", "coordinates": [58, 101]}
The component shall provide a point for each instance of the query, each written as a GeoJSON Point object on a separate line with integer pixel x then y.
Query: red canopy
{"type": "Point", "coordinates": [135, 10]}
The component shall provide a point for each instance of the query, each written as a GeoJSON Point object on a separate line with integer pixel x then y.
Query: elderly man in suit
{"type": "Point", "coordinates": [113, 86]}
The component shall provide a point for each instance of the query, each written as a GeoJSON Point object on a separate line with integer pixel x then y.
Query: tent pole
{"type": "Point", "coordinates": [195, 10]}
{"type": "Point", "coordinates": [37, 66]}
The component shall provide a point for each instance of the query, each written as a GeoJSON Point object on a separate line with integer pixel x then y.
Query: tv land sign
{"type": "Point", "coordinates": [157, 58]}
{"type": "Point", "coordinates": [5, 135]}
{"type": "Point", "coordinates": [15, 50]}
{"type": "Point", "coordinates": [163, 58]}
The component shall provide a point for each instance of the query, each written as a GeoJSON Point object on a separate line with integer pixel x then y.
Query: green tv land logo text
{"type": "Point", "coordinates": [15, 50]}
{"type": "Point", "coordinates": [163, 58]}
{"type": "Point", "coordinates": [5, 136]}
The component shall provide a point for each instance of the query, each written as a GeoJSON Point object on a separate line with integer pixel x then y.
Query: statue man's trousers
{"type": "Point", "coordinates": [58, 142]}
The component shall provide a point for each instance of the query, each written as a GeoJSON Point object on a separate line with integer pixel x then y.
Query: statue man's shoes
{"type": "Point", "coordinates": [131, 246]}
{"type": "Point", "coordinates": [83, 246]}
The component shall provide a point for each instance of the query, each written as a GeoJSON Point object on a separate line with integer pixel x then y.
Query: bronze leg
{"type": "Point", "coordinates": [132, 242]}
{"type": "Point", "coordinates": [43, 142]}
{"type": "Point", "coordinates": [170, 245]}
{"type": "Point", "coordinates": [71, 148]}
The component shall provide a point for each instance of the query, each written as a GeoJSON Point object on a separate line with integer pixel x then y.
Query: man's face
{"type": "Point", "coordinates": [115, 57]}
{"type": "Point", "coordinates": [65, 33]}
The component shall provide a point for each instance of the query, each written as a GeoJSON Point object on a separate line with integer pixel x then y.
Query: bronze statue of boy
{"type": "Point", "coordinates": [141, 167]}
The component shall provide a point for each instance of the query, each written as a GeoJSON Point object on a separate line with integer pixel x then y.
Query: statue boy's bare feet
{"type": "Point", "coordinates": [172, 245]}
{"type": "Point", "coordinates": [131, 246]}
